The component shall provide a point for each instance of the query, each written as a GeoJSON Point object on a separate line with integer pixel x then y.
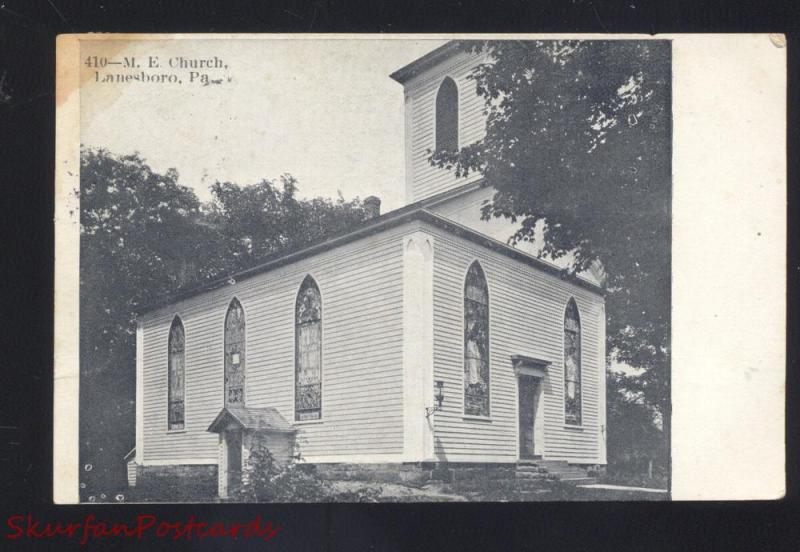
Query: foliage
{"type": "Point", "coordinates": [259, 220]}
{"type": "Point", "coordinates": [139, 239]}
{"type": "Point", "coordinates": [267, 481]}
{"type": "Point", "coordinates": [144, 236]}
{"type": "Point", "coordinates": [634, 436]}
{"type": "Point", "coordinates": [577, 148]}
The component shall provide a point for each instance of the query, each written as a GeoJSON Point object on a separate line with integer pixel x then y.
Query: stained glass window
{"type": "Point", "coordinates": [447, 116]}
{"type": "Point", "coordinates": [176, 374]}
{"type": "Point", "coordinates": [234, 354]}
{"type": "Point", "coordinates": [572, 364]}
{"type": "Point", "coordinates": [308, 352]}
{"type": "Point", "coordinates": [476, 342]}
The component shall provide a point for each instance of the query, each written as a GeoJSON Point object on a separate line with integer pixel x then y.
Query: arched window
{"type": "Point", "coordinates": [447, 116]}
{"type": "Point", "coordinates": [572, 364]}
{"type": "Point", "coordinates": [177, 375]}
{"type": "Point", "coordinates": [234, 354]}
{"type": "Point", "coordinates": [476, 342]}
{"type": "Point", "coordinates": [308, 352]}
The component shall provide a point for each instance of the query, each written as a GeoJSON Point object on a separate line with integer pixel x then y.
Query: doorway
{"type": "Point", "coordinates": [234, 439]}
{"type": "Point", "coordinates": [528, 396]}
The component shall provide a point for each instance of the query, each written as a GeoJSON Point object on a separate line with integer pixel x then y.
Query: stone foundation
{"type": "Point", "coordinates": [418, 472]}
{"type": "Point", "coordinates": [200, 482]}
{"type": "Point", "coordinates": [180, 482]}
{"type": "Point", "coordinates": [596, 470]}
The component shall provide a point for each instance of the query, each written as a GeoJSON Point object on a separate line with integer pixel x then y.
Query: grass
{"type": "Point", "coordinates": [635, 480]}
{"type": "Point", "coordinates": [495, 491]}
{"type": "Point", "coordinates": [481, 490]}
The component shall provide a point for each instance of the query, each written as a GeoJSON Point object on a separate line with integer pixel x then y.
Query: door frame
{"type": "Point", "coordinates": [536, 369]}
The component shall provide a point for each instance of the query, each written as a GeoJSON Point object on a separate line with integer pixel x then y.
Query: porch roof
{"type": "Point", "coordinates": [264, 419]}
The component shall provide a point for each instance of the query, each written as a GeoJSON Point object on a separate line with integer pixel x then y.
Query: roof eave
{"type": "Point", "coordinates": [380, 224]}
{"type": "Point", "coordinates": [419, 65]}
{"type": "Point", "coordinates": [509, 251]}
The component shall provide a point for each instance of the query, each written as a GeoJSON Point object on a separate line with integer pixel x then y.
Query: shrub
{"type": "Point", "coordinates": [268, 481]}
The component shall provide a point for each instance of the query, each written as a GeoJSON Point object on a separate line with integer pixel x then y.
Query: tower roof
{"type": "Point", "coordinates": [404, 74]}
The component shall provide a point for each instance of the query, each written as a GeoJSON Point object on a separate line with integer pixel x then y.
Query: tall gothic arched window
{"type": "Point", "coordinates": [308, 352]}
{"type": "Point", "coordinates": [176, 374]}
{"type": "Point", "coordinates": [572, 364]}
{"type": "Point", "coordinates": [234, 354]}
{"type": "Point", "coordinates": [476, 342]}
{"type": "Point", "coordinates": [447, 116]}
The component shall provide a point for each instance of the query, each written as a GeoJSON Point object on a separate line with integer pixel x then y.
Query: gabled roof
{"type": "Point", "coordinates": [392, 219]}
{"type": "Point", "coordinates": [265, 419]}
{"type": "Point", "coordinates": [404, 74]}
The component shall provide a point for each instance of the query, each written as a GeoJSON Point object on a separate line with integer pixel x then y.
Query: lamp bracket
{"type": "Point", "coordinates": [430, 410]}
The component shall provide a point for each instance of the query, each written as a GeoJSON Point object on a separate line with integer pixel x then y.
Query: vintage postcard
{"type": "Point", "coordinates": [407, 268]}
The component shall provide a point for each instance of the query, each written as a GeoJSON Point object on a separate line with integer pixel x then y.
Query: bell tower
{"type": "Point", "coordinates": [442, 111]}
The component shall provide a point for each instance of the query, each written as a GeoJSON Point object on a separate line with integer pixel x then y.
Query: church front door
{"type": "Point", "coordinates": [527, 415]}
{"type": "Point", "coordinates": [234, 459]}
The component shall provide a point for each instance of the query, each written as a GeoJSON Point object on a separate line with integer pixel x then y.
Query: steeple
{"type": "Point", "coordinates": [442, 110]}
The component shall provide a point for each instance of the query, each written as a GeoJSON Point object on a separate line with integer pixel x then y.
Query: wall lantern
{"type": "Point", "coordinates": [438, 397]}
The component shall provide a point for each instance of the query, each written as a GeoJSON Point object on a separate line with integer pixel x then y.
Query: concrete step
{"type": "Point", "coordinates": [579, 480]}
{"type": "Point", "coordinates": [528, 475]}
{"type": "Point", "coordinates": [565, 477]}
{"type": "Point", "coordinates": [562, 475]}
{"type": "Point", "coordinates": [531, 469]}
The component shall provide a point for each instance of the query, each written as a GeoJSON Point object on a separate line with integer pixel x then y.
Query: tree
{"type": "Point", "coordinates": [144, 237]}
{"type": "Point", "coordinates": [578, 150]}
{"type": "Point", "coordinates": [261, 219]}
{"type": "Point", "coordinates": [635, 440]}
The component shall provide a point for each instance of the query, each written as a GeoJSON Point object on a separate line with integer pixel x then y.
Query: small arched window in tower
{"type": "Point", "coordinates": [572, 364]}
{"type": "Point", "coordinates": [234, 354]}
{"type": "Point", "coordinates": [447, 116]}
{"type": "Point", "coordinates": [308, 352]}
{"type": "Point", "coordinates": [476, 342]}
{"type": "Point", "coordinates": [176, 374]}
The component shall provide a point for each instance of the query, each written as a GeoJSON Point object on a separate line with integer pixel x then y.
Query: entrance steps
{"type": "Point", "coordinates": [553, 469]}
{"type": "Point", "coordinates": [527, 475]}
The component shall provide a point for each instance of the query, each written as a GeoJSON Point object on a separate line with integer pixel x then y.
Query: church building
{"type": "Point", "coordinates": [419, 338]}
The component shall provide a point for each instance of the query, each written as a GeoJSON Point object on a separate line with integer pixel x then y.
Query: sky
{"type": "Point", "coordinates": [324, 111]}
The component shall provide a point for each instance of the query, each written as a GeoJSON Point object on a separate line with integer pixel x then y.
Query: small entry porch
{"type": "Point", "coordinates": [242, 429]}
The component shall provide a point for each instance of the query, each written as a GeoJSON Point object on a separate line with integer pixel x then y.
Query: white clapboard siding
{"type": "Point", "coordinates": [361, 287]}
{"type": "Point", "coordinates": [465, 209]}
{"type": "Point", "coordinates": [526, 318]}
{"type": "Point", "coordinates": [131, 471]}
{"type": "Point", "coordinates": [424, 180]}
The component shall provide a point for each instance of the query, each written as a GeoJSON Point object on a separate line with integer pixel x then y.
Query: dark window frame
{"type": "Point", "coordinates": [308, 323]}
{"type": "Point", "coordinates": [176, 354]}
{"type": "Point", "coordinates": [476, 344]}
{"type": "Point", "coordinates": [446, 116]}
{"type": "Point", "coordinates": [235, 344]}
{"type": "Point", "coordinates": [573, 408]}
